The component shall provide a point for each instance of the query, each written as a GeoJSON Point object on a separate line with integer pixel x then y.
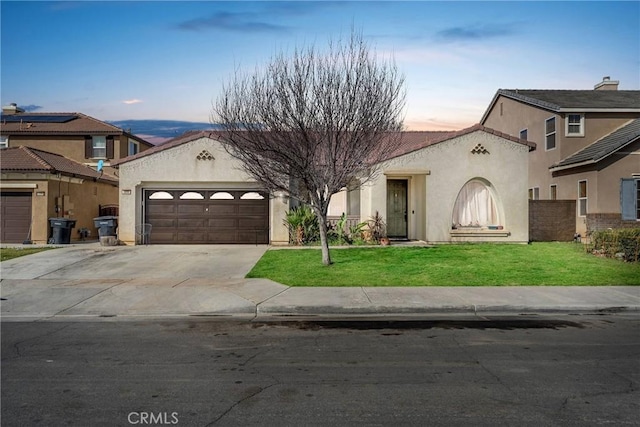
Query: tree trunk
{"type": "Point", "coordinates": [321, 208]}
{"type": "Point", "coordinates": [324, 242]}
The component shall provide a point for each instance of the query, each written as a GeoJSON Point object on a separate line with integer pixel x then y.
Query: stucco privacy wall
{"type": "Point", "coordinates": [179, 168]}
{"type": "Point", "coordinates": [437, 173]}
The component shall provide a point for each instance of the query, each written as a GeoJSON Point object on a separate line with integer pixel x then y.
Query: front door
{"type": "Point", "coordinates": [397, 208]}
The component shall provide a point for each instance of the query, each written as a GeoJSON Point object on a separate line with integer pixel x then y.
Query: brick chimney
{"type": "Point", "coordinates": [12, 109]}
{"type": "Point", "coordinates": [607, 84]}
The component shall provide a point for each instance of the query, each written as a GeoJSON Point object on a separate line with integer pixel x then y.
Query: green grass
{"type": "Point", "coordinates": [10, 253]}
{"type": "Point", "coordinates": [447, 265]}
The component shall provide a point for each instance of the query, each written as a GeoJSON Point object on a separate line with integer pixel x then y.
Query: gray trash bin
{"type": "Point", "coordinates": [106, 225]}
{"type": "Point", "coordinates": [61, 230]}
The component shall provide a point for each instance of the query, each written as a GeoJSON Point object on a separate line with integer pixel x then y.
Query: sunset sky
{"type": "Point", "coordinates": [120, 60]}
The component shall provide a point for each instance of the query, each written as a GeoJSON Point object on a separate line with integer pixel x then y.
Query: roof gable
{"type": "Point", "coordinates": [572, 100]}
{"type": "Point", "coordinates": [604, 147]}
{"type": "Point", "coordinates": [26, 159]}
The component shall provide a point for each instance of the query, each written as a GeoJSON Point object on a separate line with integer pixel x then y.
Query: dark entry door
{"type": "Point", "coordinates": [397, 208]}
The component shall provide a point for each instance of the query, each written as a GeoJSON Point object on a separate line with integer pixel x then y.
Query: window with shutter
{"type": "Point", "coordinates": [88, 147]}
{"type": "Point", "coordinates": [109, 147]}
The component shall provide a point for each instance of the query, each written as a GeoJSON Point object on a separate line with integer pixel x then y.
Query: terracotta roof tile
{"type": "Point", "coordinates": [410, 141]}
{"type": "Point", "coordinates": [26, 159]}
{"type": "Point", "coordinates": [78, 124]}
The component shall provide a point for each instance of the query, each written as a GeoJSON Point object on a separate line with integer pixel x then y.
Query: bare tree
{"type": "Point", "coordinates": [321, 120]}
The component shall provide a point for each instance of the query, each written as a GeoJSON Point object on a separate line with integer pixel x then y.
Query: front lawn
{"type": "Point", "coordinates": [447, 265]}
{"type": "Point", "coordinates": [10, 253]}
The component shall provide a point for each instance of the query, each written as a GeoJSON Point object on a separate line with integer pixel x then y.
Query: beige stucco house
{"type": "Point", "coordinates": [447, 187]}
{"type": "Point", "coordinates": [588, 148]}
{"type": "Point", "coordinates": [439, 187]}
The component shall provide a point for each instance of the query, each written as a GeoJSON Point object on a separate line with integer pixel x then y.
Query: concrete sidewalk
{"type": "Point", "coordinates": [99, 283]}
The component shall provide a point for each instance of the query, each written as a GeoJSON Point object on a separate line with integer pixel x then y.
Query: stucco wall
{"type": "Point", "coordinates": [179, 167]}
{"type": "Point", "coordinates": [437, 173]}
{"type": "Point", "coordinates": [78, 199]}
{"type": "Point", "coordinates": [515, 116]}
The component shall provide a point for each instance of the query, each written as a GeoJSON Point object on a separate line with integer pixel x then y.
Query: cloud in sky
{"type": "Point", "coordinates": [132, 101]}
{"type": "Point", "coordinates": [475, 32]}
{"type": "Point", "coordinates": [238, 22]}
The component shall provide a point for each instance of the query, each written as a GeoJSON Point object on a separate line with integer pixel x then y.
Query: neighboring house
{"type": "Point", "coordinates": [38, 185]}
{"type": "Point", "coordinates": [588, 148]}
{"type": "Point", "coordinates": [439, 187]}
{"type": "Point", "coordinates": [76, 136]}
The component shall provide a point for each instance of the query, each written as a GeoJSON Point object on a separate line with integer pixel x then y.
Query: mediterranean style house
{"type": "Point", "coordinates": [58, 165]}
{"type": "Point", "coordinates": [588, 148]}
{"type": "Point", "coordinates": [468, 185]}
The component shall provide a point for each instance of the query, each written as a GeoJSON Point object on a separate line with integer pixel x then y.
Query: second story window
{"type": "Point", "coordinates": [550, 133]}
{"type": "Point", "coordinates": [574, 125]}
{"type": "Point", "coordinates": [98, 147]}
{"type": "Point", "coordinates": [4, 141]}
{"type": "Point", "coordinates": [524, 134]}
{"type": "Point", "coordinates": [134, 147]}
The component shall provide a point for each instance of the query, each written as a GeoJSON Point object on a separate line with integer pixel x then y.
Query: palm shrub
{"type": "Point", "coordinates": [377, 228]}
{"type": "Point", "coordinates": [303, 226]}
{"type": "Point", "coordinates": [622, 242]}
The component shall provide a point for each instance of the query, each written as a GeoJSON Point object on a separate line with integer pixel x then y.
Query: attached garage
{"type": "Point", "coordinates": [16, 216]}
{"type": "Point", "coordinates": [207, 216]}
{"type": "Point", "coordinates": [192, 191]}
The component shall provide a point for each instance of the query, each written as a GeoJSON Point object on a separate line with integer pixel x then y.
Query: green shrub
{"type": "Point", "coordinates": [621, 243]}
{"type": "Point", "coordinates": [303, 226]}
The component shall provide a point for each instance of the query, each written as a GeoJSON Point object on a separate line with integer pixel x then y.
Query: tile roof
{"type": "Point", "coordinates": [69, 124]}
{"type": "Point", "coordinates": [25, 159]}
{"type": "Point", "coordinates": [410, 141]}
{"type": "Point", "coordinates": [416, 140]}
{"type": "Point", "coordinates": [605, 146]}
{"type": "Point", "coordinates": [557, 100]}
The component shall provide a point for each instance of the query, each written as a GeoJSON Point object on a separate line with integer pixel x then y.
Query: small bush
{"type": "Point", "coordinates": [623, 243]}
{"type": "Point", "coordinates": [303, 226]}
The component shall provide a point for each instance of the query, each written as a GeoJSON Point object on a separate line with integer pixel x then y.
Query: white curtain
{"type": "Point", "coordinates": [475, 206]}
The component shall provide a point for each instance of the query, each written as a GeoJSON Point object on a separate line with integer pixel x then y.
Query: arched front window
{"type": "Point", "coordinates": [475, 206]}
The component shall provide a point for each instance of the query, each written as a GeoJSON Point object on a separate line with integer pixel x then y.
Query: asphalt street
{"type": "Point", "coordinates": [549, 370]}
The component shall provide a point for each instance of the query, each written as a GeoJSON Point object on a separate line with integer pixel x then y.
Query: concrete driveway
{"type": "Point", "coordinates": [91, 261]}
{"type": "Point", "coordinates": [155, 280]}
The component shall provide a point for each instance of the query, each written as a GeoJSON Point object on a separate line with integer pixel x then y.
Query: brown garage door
{"type": "Point", "coordinates": [201, 217]}
{"type": "Point", "coordinates": [16, 217]}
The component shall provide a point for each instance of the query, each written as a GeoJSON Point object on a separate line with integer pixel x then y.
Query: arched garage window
{"type": "Point", "coordinates": [476, 206]}
{"type": "Point", "coordinates": [160, 195]}
{"type": "Point", "coordinates": [191, 195]}
{"type": "Point", "coordinates": [221, 195]}
{"type": "Point", "coordinates": [252, 195]}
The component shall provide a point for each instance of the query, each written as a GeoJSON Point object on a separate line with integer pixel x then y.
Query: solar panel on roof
{"type": "Point", "coordinates": [27, 118]}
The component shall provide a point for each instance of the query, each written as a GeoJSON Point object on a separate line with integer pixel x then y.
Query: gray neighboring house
{"type": "Point", "coordinates": [588, 148]}
{"type": "Point", "coordinates": [467, 185]}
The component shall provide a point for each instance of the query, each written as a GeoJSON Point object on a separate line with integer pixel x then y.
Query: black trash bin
{"type": "Point", "coordinates": [106, 225]}
{"type": "Point", "coordinates": [61, 230]}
